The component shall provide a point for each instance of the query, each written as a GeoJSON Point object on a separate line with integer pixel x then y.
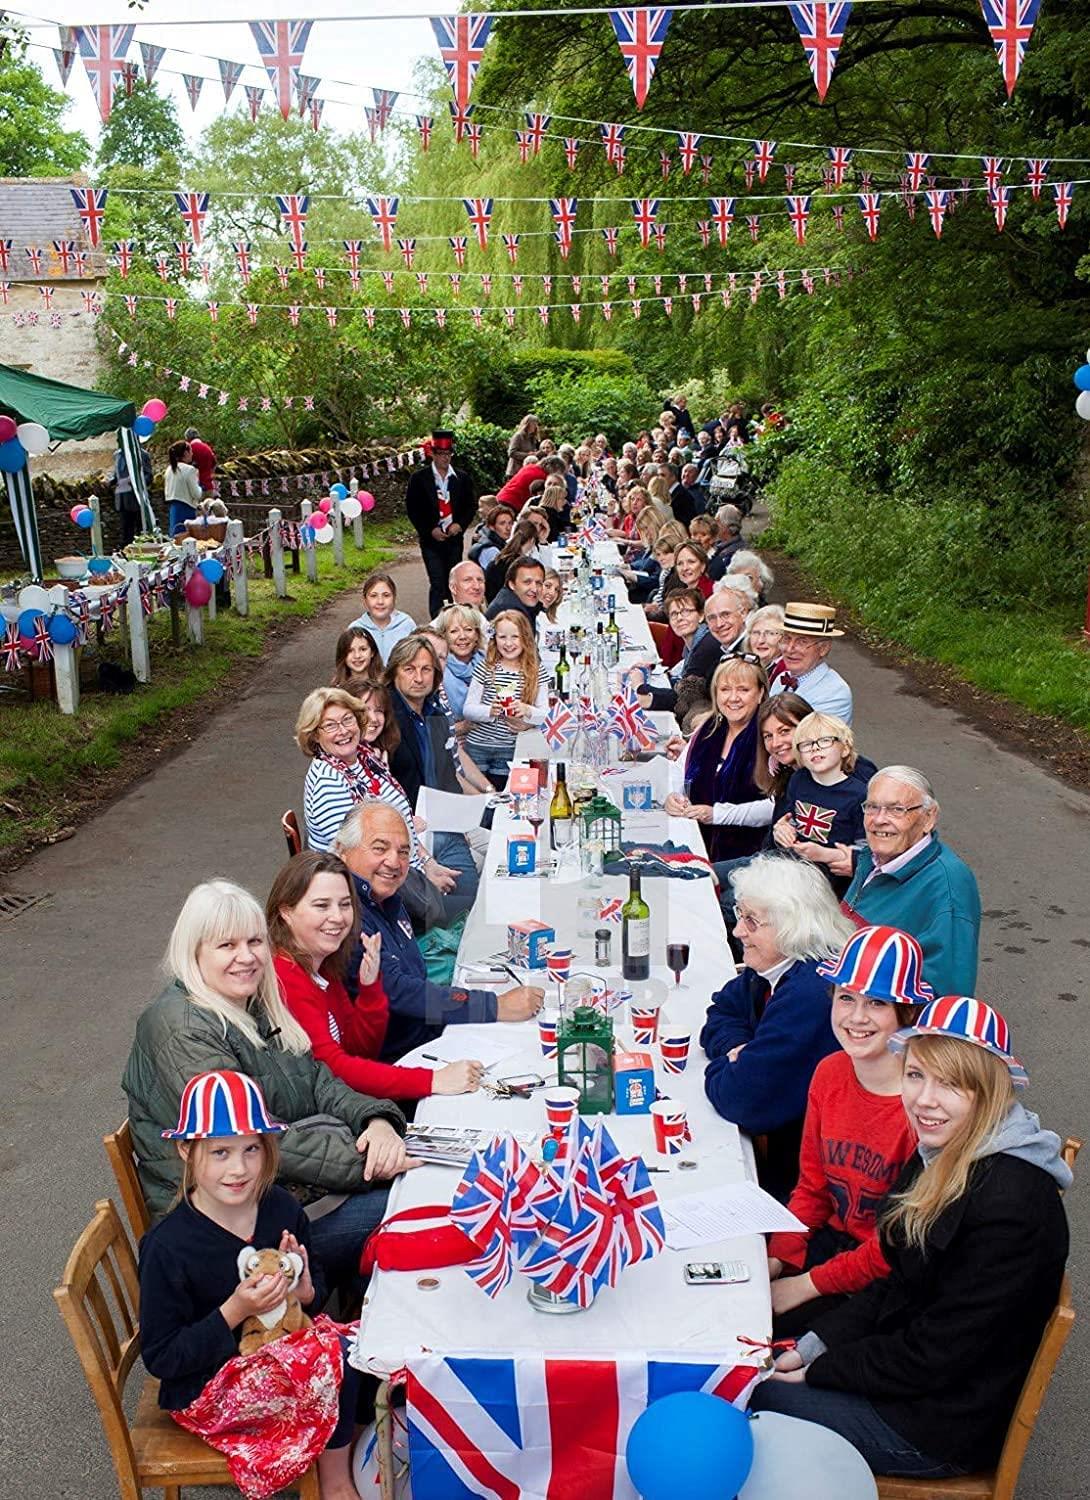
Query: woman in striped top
{"type": "Point", "coordinates": [508, 693]}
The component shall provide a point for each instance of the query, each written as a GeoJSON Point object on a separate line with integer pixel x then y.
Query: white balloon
{"type": "Point", "coordinates": [33, 437]}
{"type": "Point", "coordinates": [324, 534]}
{"type": "Point", "coordinates": [791, 1457]}
{"type": "Point", "coordinates": [1082, 405]}
{"type": "Point", "coordinates": [351, 508]}
{"type": "Point", "coordinates": [34, 597]}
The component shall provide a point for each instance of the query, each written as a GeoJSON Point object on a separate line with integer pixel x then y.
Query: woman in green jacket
{"type": "Point", "coordinates": [222, 1009]}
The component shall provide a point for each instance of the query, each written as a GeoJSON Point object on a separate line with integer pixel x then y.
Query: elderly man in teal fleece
{"type": "Point", "coordinates": [907, 878]}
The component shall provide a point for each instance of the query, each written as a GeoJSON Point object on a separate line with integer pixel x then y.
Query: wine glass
{"type": "Point", "coordinates": [535, 814]}
{"type": "Point", "coordinates": [677, 960]}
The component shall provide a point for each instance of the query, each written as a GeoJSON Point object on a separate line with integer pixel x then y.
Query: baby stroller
{"type": "Point", "coordinates": [731, 483]}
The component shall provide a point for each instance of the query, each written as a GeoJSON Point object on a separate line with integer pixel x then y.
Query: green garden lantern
{"type": "Point", "coordinates": [600, 823]}
{"type": "Point", "coordinates": [584, 1049]}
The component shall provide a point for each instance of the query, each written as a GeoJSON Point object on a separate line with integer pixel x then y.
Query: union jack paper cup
{"type": "Point", "coordinates": [560, 1106]}
{"type": "Point", "coordinates": [546, 1030]}
{"type": "Point", "coordinates": [645, 1023]}
{"type": "Point", "coordinates": [674, 1050]}
{"type": "Point", "coordinates": [671, 1126]}
{"type": "Point", "coordinates": [558, 963]}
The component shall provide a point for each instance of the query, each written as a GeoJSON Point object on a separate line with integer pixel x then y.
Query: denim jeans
{"type": "Point", "coordinates": [452, 850]}
{"type": "Point", "coordinates": [885, 1450]}
{"type": "Point", "coordinates": [337, 1238]}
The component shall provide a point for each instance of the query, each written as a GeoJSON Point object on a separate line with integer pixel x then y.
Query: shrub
{"type": "Point", "coordinates": [502, 390]}
{"type": "Point", "coordinates": [572, 407]}
{"type": "Point", "coordinates": [481, 449]}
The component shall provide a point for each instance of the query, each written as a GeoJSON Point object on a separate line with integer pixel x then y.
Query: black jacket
{"type": "Point", "coordinates": [407, 761]}
{"type": "Point", "coordinates": [942, 1345]}
{"type": "Point", "coordinates": [508, 599]}
{"type": "Point", "coordinates": [682, 503]}
{"type": "Point", "coordinates": [422, 501]}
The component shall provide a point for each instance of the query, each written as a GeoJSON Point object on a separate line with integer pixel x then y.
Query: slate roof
{"type": "Point", "coordinates": [37, 211]}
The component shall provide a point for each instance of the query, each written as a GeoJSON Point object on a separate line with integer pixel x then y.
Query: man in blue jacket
{"type": "Point", "coordinates": [374, 843]}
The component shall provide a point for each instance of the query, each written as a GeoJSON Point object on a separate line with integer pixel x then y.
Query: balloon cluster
{"type": "Point", "coordinates": [1082, 383]}
{"type": "Point", "coordinates": [60, 629]}
{"type": "Point", "coordinates": [200, 583]}
{"type": "Point", "coordinates": [17, 440]}
{"type": "Point", "coordinates": [351, 508]}
{"type": "Point", "coordinates": [151, 413]}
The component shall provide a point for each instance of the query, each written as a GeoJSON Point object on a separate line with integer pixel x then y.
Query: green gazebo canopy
{"type": "Point", "coordinates": [65, 411]}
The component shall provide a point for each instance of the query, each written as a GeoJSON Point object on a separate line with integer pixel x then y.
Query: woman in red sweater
{"type": "Point", "coordinates": [856, 1136]}
{"type": "Point", "coordinates": [313, 921]}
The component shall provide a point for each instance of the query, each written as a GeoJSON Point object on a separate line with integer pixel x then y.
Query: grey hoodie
{"type": "Point", "coordinates": [1021, 1135]}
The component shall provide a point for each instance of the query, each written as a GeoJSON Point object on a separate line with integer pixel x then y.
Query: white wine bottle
{"type": "Point", "coordinates": [635, 931]}
{"type": "Point", "coordinates": [561, 822]}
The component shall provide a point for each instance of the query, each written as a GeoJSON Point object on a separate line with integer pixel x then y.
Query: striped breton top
{"type": "Point", "coordinates": [489, 684]}
{"type": "Point", "coordinates": [332, 790]}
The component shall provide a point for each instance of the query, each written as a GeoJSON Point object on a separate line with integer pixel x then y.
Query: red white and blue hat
{"type": "Point", "coordinates": [966, 1020]}
{"type": "Point", "coordinates": [882, 963]}
{"type": "Point", "coordinates": [222, 1104]}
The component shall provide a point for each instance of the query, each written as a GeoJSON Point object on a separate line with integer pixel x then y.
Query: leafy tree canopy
{"type": "Point", "coordinates": [142, 130]}
{"type": "Point", "coordinates": [33, 142]}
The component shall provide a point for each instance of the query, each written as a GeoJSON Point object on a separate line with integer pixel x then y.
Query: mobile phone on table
{"type": "Point", "coordinates": [716, 1272]}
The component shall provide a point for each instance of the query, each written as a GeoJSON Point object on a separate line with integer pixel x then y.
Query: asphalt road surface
{"type": "Point", "coordinates": [76, 969]}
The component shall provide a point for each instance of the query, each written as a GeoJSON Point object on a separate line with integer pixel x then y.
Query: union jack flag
{"type": "Point", "coordinates": [459, 116]}
{"type": "Point", "coordinates": [559, 723]}
{"type": "Point", "coordinates": [473, 136]}
{"type": "Point", "coordinates": [607, 311]}
{"type": "Point", "coordinates": [564, 211]}
{"type": "Point", "coordinates": [306, 88]}
{"type": "Point", "coordinates": [871, 206]}
{"type": "Point", "coordinates": [372, 123]}
{"type": "Point", "coordinates": [604, 282]}
{"type": "Point", "coordinates": [385, 99]}
{"type": "Point", "coordinates": [184, 251]}
{"type": "Point", "coordinates": [251, 313]}
{"type": "Point", "coordinates": [637, 308]}
{"type": "Point", "coordinates": [152, 57]}
{"type": "Point", "coordinates": [789, 170]}
{"type": "Point", "coordinates": [459, 243]}
{"type": "Point", "coordinates": [612, 140]}
{"type": "Point", "coordinates": [1037, 173]}
{"type": "Point", "coordinates": [576, 311]}
{"type": "Point", "coordinates": [479, 213]}
{"type": "Point", "coordinates": [571, 151]}
{"type": "Point", "coordinates": [46, 294]}
{"type": "Point", "coordinates": [722, 216]}
{"type": "Point", "coordinates": [230, 73]}
{"type": "Point", "coordinates": [644, 212]}
{"type": "Point", "coordinates": [408, 255]}
{"type": "Point", "coordinates": [103, 51]}
{"type": "Point", "coordinates": [609, 234]}
{"type": "Point", "coordinates": [659, 231]}
{"type": "Point", "coordinates": [840, 158]}
{"type": "Point", "coordinates": [1062, 192]}
{"type": "Point", "coordinates": [619, 159]}
{"type": "Point", "coordinates": [821, 28]}
{"type": "Point", "coordinates": [254, 96]}
{"type": "Point", "coordinates": [511, 245]}
{"type": "Point", "coordinates": [422, 282]}
{"type": "Point", "coordinates": [298, 254]}
{"type": "Point", "coordinates": [536, 126]}
{"type": "Point", "coordinates": [282, 44]}
{"type": "Point", "coordinates": [916, 163]}
{"type": "Point", "coordinates": [369, 316]}
{"type": "Point", "coordinates": [293, 214]}
{"type": "Point", "coordinates": [91, 303]}
{"type": "Point", "coordinates": [282, 275]}
{"type": "Point", "coordinates": [1010, 23]}
{"type": "Point", "coordinates": [755, 287]}
{"type": "Point", "coordinates": [5, 254]}
{"type": "Point", "coordinates": [798, 211]}
{"type": "Point", "coordinates": [609, 910]}
{"type": "Point", "coordinates": [626, 719]}
{"type": "Point", "coordinates": [516, 285]}
{"type": "Point", "coordinates": [705, 169]}
{"type": "Point", "coordinates": [162, 266]}
{"type": "Point", "coordinates": [462, 41]}
{"type": "Point", "coordinates": [91, 206]}
{"type": "Point", "coordinates": [523, 139]}
{"type": "Point", "coordinates": [293, 314]}
{"type": "Point", "coordinates": [214, 314]}
{"type": "Point", "coordinates": [688, 145]}
{"type": "Point", "coordinates": [130, 74]}
{"type": "Point", "coordinates": [754, 223]}
{"type": "Point", "coordinates": [424, 124]}
{"type": "Point", "coordinates": [665, 163]}
{"type": "Point", "coordinates": [812, 822]}
{"type": "Point", "coordinates": [194, 82]}
{"type": "Point", "coordinates": [64, 250]}
{"type": "Point", "coordinates": [937, 200]}
{"type": "Point", "coordinates": [704, 229]}
{"type": "Point", "coordinates": [508, 314]}
{"type": "Point", "coordinates": [749, 166]}
{"type": "Point", "coordinates": [999, 197]}
{"type": "Point", "coordinates": [193, 208]}
{"type": "Point", "coordinates": [763, 152]}
{"type": "Point", "coordinates": [383, 211]}
{"type": "Point", "coordinates": [838, 216]}
{"type": "Point", "coordinates": [993, 171]}
{"type": "Point", "coordinates": [640, 34]}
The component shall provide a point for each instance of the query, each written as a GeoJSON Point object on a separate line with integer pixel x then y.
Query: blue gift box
{"type": "Point", "coordinates": [521, 854]}
{"type": "Point", "coordinates": [633, 1083]}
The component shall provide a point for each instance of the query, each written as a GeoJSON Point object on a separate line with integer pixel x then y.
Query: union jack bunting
{"type": "Point", "coordinates": [422, 283]}
{"type": "Point", "coordinates": [473, 136]}
{"type": "Point", "coordinates": [704, 229]}
{"type": "Point", "coordinates": [103, 50]}
{"type": "Point", "coordinates": [193, 208]}
{"type": "Point", "coordinates": [866, 181]}
{"type": "Point", "coordinates": [424, 124]}
{"type": "Point", "coordinates": [5, 254]}
{"type": "Point", "coordinates": [459, 243]}
{"type": "Point", "coordinates": [293, 314]}
{"type": "Point", "coordinates": [459, 117]}
{"type": "Point", "coordinates": [479, 213]}
{"type": "Point", "coordinates": [46, 294]}
{"type": "Point", "coordinates": [214, 314]}
{"type": "Point", "coordinates": [369, 316]}
{"type": "Point", "coordinates": [640, 35]}
{"type": "Point", "coordinates": [1010, 23]}
{"type": "Point", "coordinates": [637, 308]}
{"type": "Point", "coordinates": [251, 313]}
{"type": "Point", "coordinates": [645, 212]}
{"type": "Point", "coordinates": [871, 207]}
{"type": "Point", "coordinates": [547, 285]}
{"type": "Point", "coordinates": [688, 145]}
{"type": "Point", "coordinates": [408, 254]}
{"type": "Point", "coordinates": [282, 274]}
{"type": "Point", "coordinates": [254, 96]}
{"type": "Point", "coordinates": [937, 201]}
{"type": "Point", "coordinates": [162, 266]}
{"type": "Point", "coordinates": [619, 159]}
{"type": "Point", "coordinates": [64, 249]}
{"type": "Point", "coordinates": [993, 171]}
{"type": "Point", "coordinates": [665, 163]}
{"type": "Point", "coordinates": [372, 123]}
{"type": "Point", "coordinates": [194, 82]}
{"type": "Point", "coordinates": [839, 159]}
{"type": "Point", "coordinates": [516, 285]}
{"type": "Point", "coordinates": [763, 152]}
{"type": "Point", "coordinates": [406, 316]}
{"type": "Point", "coordinates": [230, 73]}
{"type": "Point", "coordinates": [543, 314]}
{"type": "Point", "coordinates": [838, 217]}
{"type": "Point", "coordinates": [722, 216]}
{"type": "Point", "coordinates": [999, 197]}
{"type": "Point", "coordinates": [511, 245]}
{"type": "Point", "coordinates": [152, 56]}
{"type": "Point", "coordinates": [385, 99]}
{"type": "Point", "coordinates": [281, 45]}
{"type": "Point", "coordinates": [916, 163]}
{"type": "Point", "coordinates": [667, 305]}
{"type": "Point", "coordinates": [1037, 173]}
{"type": "Point", "coordinates": [1062, 192]}
{"type": "Point", "coordinates": [604, 283]}
{"type": "Point", "coordinates": [293, 209]}
{"type": "Point", "coordinates": [91, 206]}
{"type": "Point", "coordinates": [536, 126]}
{"type": "Point", "coordinates": [354, 279]}
{"type": "Point", "coordinates": [609, 234]}
{"type": "Point", "coordinates": [319, 277]}
{"type": "Point", "coordinates": [577, 286]}
{"type": "Point", "coordinates": [754, 223]}
{"type": "Point", "coordinates": [64, 57]}
{"type": "Point", "coordinates": [316, 108]}
{"type": "Point", "coordinates": [612, 140]}
{"type": "Point", "coordinates": [91, 302]}
{"type": "Point", "coordinates": [705, 169]}
{"type": "Point", "coordinates": [383, 211]}
{"type": "Point", "coordinates": [659, 231]}
{"type": "Point", "coordinates": [571, 151]}
{"type": "Point", "coordinates": [184, 251]}
{"type": "Point", "coordinates": [305, 89]}
{"type": "Point", "coordinates": [789, 176]}
{"type": "Point", "coordinates": [298, 254]}
{"type": "Point", "coordinates": [749, 167]}
{"type": "Point", "coordinates": [607, 311]}
{"type": "Point", "coordinates": [798, 211]}
{"type": "Point", "coordinates": [563, 211]}
{"type": "Point", "coordinates": [508, 315]}
{"type": "Point", "coordinates": [525, 149]}
{"type": "Point", "coordinates": [462, 40]}
{"type": "Point", "coordinates": [821, 26]}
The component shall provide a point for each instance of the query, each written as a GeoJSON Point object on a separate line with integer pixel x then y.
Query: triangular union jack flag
{"type": "Point", "coordinates": [999, 198]}
{"type": "Point", "coordinates": [1010, 23]}
{"type": "Point", "coordinates": [293, 215]}
{"type": "Point", "coordinates": [536, 126]}
{"type": "Point", "coordinates": [612, 140]}
{"type": "Point", "coordinates": [282, 44]}
{"type": "Point", "coordinates": [1037, 173]}
{"type": "Point", "coordinates": [871, 206]}
{"type": "Point", "coordinates": [230, 73]}
{"type": "Point", "coordinates": [993, 172]}
{"type": "Point", "coordinates": [254, 96]}
{"type": "Point", "coordinates": [937, 202]}
{"type": "Point", "coordinates": [525, 149]}
{"type": "Point", "coordinates": [193, 208]}
{"type": "Point", "coordinates": [91, 205]}
{"type": "Point", "coordinates": [458, 243]}
{"type": "Point", "coordinates": [511, 245]}
{"type": "Point", "coordinates": [1062, 192]}
{"type": "Point", "coordinates": [459, 117]}
{"type": "Point", "coordinates": [688, 145]}
{"type": "Point", "coordinates": [408, 253]}
{"type": "Point", "coordinates": [610, 236]}
{"type": "Point", "coordinates": [122, 253]}
{"type": "Point", "coordinates": [564, 211]}
{"type": "Point", "coordinates": [840, 159]}
{"type": "Point", "coordinates": [763, 152]}
{"type": "Point", "coordinates": [184, 251]}
{"type": "Point", "coordinates": [821, 28]}
{"type": "Point", "coordinates": [152, 57]}
{"type": "Point", "coordinates": [424, 124]}
{"type": "Point", "coordinates": [352, 251]}
{"type": "Point", "coordinates": [640, 34]}
{"type": "Point", "coordinates": [242, 250]}
{"type": "Point", "coordinates": [383, 211]}
{"type": "Point", "coordinates": [722, 211]}
{"type": "Point", "coordinates": [798, 211]}
{"type": "Point", "coordinates": [64, 57]}
{"type": "Point", "coordinates": [473, 136]}
{"type": "Point", "coordinates": [385, 99]}
{"type": "Point", "coordinates": [704, 229]}
{"type": "Point", "coordinates": [571, 151]}
{"type": "Point", "coordinates": [372, 123]}
{"type": "Point", "coordinates": [665, 162]}
{"type": "Point", "coordinates": [916, 163]}
{"type": "Point", "coordinates": [103, 51]}
{"type": "Point", "coordinates": [462, 41]}
{"type": "Point", "coordinates": [479, 212]}
{"type": "Point", "coordinates": [754, 223]}
{"type": "Point", "coordinates": [645, 212]}
{"type": "Point", "coordinates": [193, 85]}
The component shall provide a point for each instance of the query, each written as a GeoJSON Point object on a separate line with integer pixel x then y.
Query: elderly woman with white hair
{"type": "Point", "coordinates": [769, 1027]}
{"type": "Point", "coordinates": [764, 632]}
{"type": "Point", "coordinates": [748, 565]}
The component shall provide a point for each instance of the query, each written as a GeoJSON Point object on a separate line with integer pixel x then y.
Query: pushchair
{"type": "Point", "coordinates": [730, 482]}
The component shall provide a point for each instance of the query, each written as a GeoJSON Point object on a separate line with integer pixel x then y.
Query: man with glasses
{"type": "Point", "coordinates": [725, 613]}
{"type": "Point", "coordinates": [808, 634]}
{"type": "Point", "coordinates": [907, 878]}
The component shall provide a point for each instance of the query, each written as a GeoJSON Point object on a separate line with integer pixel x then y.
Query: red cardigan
{"type": "Point", "coordinates": [347, 1035]}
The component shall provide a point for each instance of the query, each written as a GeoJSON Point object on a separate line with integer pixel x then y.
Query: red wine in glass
{"type": "Point", "coordinates": [677, 960]}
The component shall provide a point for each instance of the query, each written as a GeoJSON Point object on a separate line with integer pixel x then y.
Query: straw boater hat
{"type": "Point", "coordinates": [810, 619]}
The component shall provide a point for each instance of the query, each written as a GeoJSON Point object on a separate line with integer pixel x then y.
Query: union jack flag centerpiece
{"type": "Point", "coordinates": [871, 206]}
{"type": "Point", "coordinates": [1062, 192]}
{"type": "Point", "coordinates": [103, 51]}
{"type": "Point", "coordinates": [645, 212]}
{"type": "Point", "coordinates": [626, 719]}
{"type": "Point", "coordinates": [193, 208]}
{"type": "Point", "coordinates": [91, 206]}
{"type": "Point", "coordinates": [688, 145]}
{"type": "Point", "coordinates": [559, 723]}
{"type": "Point", "coordinates": [383, 211]}
{"type": "Point", "coordinates": [1010, 23]}
{"type": "Point", "coordinates": [821, 27]}
{"type": "Point", "coordinates": [641, 34]}
{"type": "Point", "coordinates": [479, 212]}
{"type": "Point", "coordinates": [462, 40]}
{"type": "Point", "coordinates": [282, 44]}
{"type": "Point", "coordinates": [610, 910]}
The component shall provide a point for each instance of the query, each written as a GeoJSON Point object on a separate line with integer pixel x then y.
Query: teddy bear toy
{"type": "Point", "coordinates": [287, 1316]}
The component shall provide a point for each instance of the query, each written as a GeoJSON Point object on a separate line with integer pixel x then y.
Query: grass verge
{"type": "Point", "coordinates": [54, 766]}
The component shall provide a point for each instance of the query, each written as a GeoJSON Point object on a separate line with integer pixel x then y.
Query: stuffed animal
{"type": "Point", "coordinates": [287, 1316]}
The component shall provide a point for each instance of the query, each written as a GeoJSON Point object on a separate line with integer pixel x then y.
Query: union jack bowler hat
{"type": "Point", "coordinates": [222, 1104]}
{"type": "Point", "coordinates": [966, 1020]}
{"type": "Point", "coordinates": [882, 963]}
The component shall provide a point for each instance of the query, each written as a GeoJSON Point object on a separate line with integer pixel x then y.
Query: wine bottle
{"type": "Point", "coordinates": [563, 673]}
{"type": "Point", "coordinates": [561, 822]}
{"type": "Point", "coordinates": [613, 633]}
{"type": "Point", "coordinates": [635, 932]}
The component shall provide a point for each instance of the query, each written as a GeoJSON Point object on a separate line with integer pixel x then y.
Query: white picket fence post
{"type": "Point", "coordinates": [310, 546]}
{"type": "Point", "coordinates": [66, 676]}
{"type": "Point", "coordinates": [276, 555]}
{"type": "Point", "coordinates": [138, 625]}
{"type": "Point", "coordinates": [95, 506]}
{"type": "Point", "coordinates": [194, 618]}
{"type": "Point", "coordinates": [236, 552]}
{"type": "Point", "coordinates": [337, 522]}
{"type": "Point", "coordinates": [357, 524]}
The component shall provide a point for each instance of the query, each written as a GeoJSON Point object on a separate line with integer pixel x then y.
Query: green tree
{"type": "Point", "coordinates": [142, 129]}
{"type": "Point", "coordinates": [33, 142]}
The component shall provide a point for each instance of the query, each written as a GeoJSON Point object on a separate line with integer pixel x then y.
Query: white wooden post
{"type": "Point", "coordinates": [138, 626]}
{"type": "Point", "coordinates": [66, 674]}
{"type": "Point", "coordinates": [357, 524]}
{"type": "Point", "coordinates": [194, 618]}
{"type": "Point", "coordinates": [337, 522]}
{"type": "Point", "coordinates": [310, 546]}
{"type": "Point", "coordinates": [236, 551]}
{"type": "Point", "coordinates": [276, 555]}
{"type": "Point", "coordinates": [96, 529]}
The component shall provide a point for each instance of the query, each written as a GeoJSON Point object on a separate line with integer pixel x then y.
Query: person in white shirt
{"type": "Point", "coordinates": [808, 634]}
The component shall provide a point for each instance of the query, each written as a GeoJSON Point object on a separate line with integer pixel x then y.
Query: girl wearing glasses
{"type": "Point", "coordinates": [825, 796]}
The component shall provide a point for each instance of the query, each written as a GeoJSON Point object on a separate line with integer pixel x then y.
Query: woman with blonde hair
{"type": "Point", "coordinates": [641, 571]}
{"type": "Point", "coordinates": [465, 631]}
{"type": "Point", "coordinates": [659, 490]}
{"type": "Point", "coordinates": [221, 1009]}
{"type": "Point", "coordinates": [508, 693]}
{"type": "Point", "coordinates": [922, 1370]}
{"type": "Point", "coordinates": [523, 442]}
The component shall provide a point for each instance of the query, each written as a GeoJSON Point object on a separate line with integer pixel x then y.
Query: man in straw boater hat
{"type": "Point", "coordinates": [808, 633]}
{"type": "Point", "coordinates": [439, 502]}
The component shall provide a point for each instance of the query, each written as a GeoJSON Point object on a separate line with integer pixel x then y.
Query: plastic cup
{"type": "Point", "coordinates": [645, 1023]}
{"type": "Point", "coordinates": [546, 1030]}
{"type": "Point", "coordinates": [560, 1107]}
{"type": "Point", "coordinates": [558, 963]}
{"type": "Point", "coordinates": [671, 1126]}
{"type": "Point", "coordinates": [674, 1050]}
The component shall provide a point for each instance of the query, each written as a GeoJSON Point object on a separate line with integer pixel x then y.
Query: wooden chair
{"type": "Point", "coordinates": [122, 1158]}
{"type": "Point", "coordinates": [1001, 1483]}
{"type": "Point", "coordinates": [289, 825]}
{"type": "Point", "coordinates": [99, 1299]}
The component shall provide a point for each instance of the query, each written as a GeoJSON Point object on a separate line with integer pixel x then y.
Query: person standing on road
{"type": "Point", "coordinates": [439, 502]}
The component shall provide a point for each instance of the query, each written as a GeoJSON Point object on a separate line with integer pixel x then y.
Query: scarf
{"type": "Point", "coordinates": [364, 777]}
{"type": "Point", "coordinates": [725, 780]}
{"type": "Point", "coordinates": [457, 676]}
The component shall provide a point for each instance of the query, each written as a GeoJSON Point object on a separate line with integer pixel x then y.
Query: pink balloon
{"type": "Point", "coordinates": [7, 429]}
{"type": "Point", "coordinates": [74, 512]}
{"type": "Point", "coordinates": [155, 409]}
{"type": "Point", "coordinates": [366, 499]}
{"type": "Point", "coordinates": [198, 590]}
{"type": "Point", "coordinates": [325, 505]}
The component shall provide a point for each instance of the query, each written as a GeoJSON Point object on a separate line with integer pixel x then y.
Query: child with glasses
{"type": "Point", "coordinates": [824, 819]}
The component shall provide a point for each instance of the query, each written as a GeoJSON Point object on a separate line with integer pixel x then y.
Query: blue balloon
{"type": "Point", "coordinates": [26, 621]}
{"type": "Point", "coordinates": [99, 565]}
{"type": "Point", "coordinates": [211, 568]}
{"type": "Point", "coordinates": [61, 630]}
{"type": "Point", "coordinates": [143, 426]}
{"type": "Point", "coordinates": [1081, 377]}
{"type": "Point", "coordinates": [689, 1444]}
{"type": "Point", "coordinates": [12, 456]}
{"type": "Point", "coordinates": [340, 490]}
{"type": "Point", "coordinates": [85, 518]}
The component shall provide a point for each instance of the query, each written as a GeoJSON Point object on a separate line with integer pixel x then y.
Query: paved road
{"type": "Point", "coordinates": [76, 970]}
